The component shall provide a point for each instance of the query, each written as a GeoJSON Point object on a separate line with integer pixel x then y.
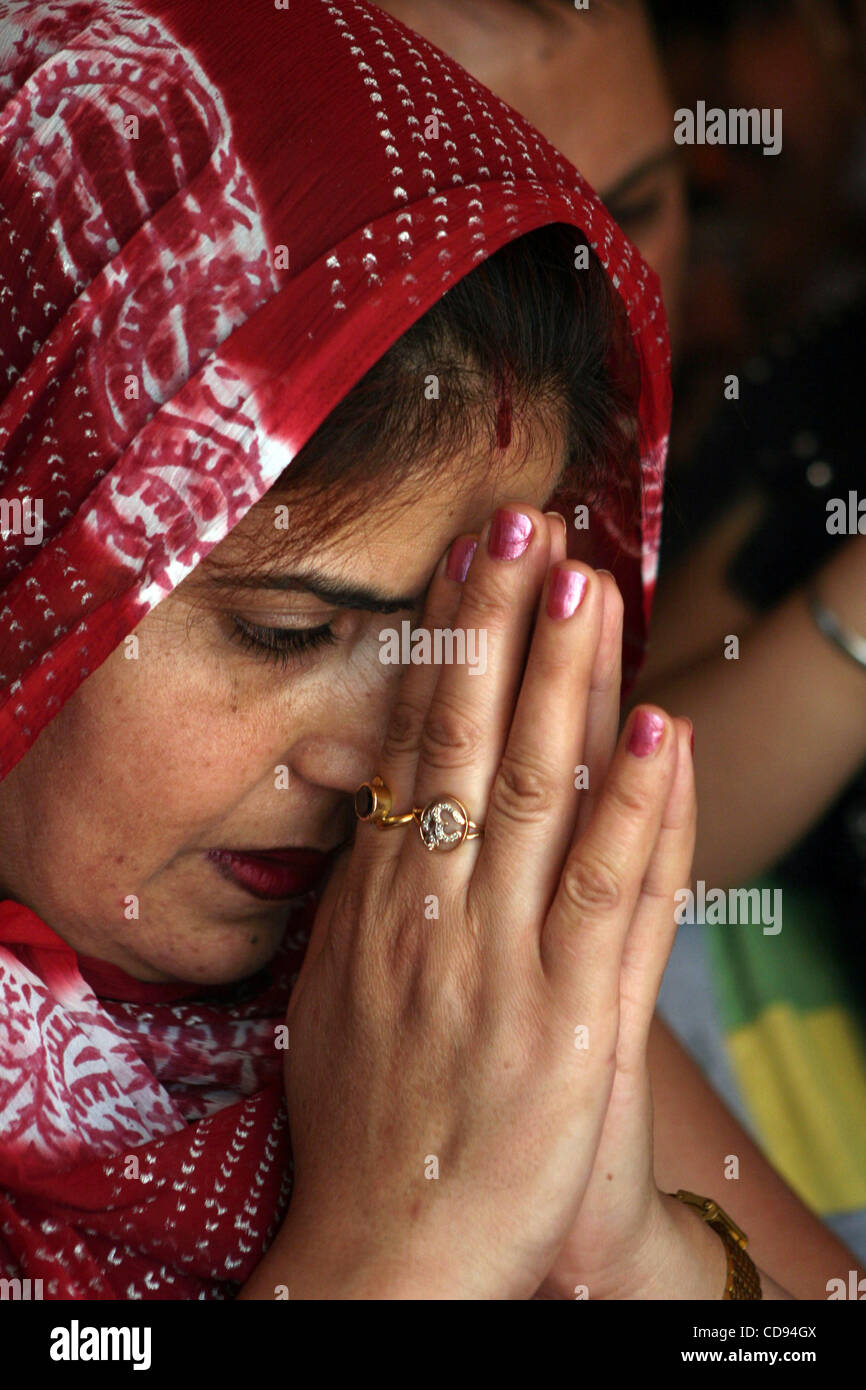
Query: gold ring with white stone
{"type": "Point", "coordinates": [444, 823]}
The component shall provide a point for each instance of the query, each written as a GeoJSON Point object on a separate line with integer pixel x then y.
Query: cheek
{"type": "Point", "coordinates": [664, 248]}
{"type": "Point", "coordinates": [140, 761]}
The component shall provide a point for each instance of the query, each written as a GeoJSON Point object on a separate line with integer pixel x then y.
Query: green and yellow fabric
{"type": "Point", "coordinates": [795, 1035]}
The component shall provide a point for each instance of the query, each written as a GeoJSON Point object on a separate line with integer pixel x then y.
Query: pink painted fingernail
{"type": "Point", "coordinates": [460, 558]}
{"type": "Point", "coordinates": [646, 733]}
{"type": "Point", "coordinates": [510, 533]}
{"type": "Point", "coordinates": [565, 591]}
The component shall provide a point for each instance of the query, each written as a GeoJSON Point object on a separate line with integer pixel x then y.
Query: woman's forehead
{"type": "Point", "coordinates": [415, 514]}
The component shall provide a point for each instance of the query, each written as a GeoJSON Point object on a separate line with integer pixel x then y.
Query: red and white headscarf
{"type": "Point", "coordinates": [213, 220]}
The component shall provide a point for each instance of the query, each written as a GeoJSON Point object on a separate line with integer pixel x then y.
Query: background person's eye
{"type": "Point", "coordinates": [278, 644]}
{"type": "Point", "coordinates": [639, 213]}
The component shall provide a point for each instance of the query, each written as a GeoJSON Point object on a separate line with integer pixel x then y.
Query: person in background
{"type": "Point", "coordinates": [774, 239]}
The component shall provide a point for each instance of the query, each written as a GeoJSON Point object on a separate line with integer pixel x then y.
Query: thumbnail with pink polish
{"type": "Point", "coordinates": [510, 534]}
{"type": "Point", "coordinates": [646, 733]}
{"type": "Point", "coordinates": [565, 592]}
{"type": "Point", "coordinates": [460, 558]}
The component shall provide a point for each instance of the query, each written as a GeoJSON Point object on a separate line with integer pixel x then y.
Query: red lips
{"type": "Point", "coordinates": [272, 873]}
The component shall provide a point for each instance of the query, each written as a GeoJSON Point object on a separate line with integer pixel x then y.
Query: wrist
{"type": "Point", "coordinates": [311, 1259]}
{"type": "Point", "coordinates": [306, 1262]}
{"type": "Point", "coordinates": [319, 1265]}
{"type": "Point", "coordinates": [680, 1257]}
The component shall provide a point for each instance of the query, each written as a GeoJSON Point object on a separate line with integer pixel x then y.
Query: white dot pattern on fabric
{"type": "Point", "coordinates": [138, 1079]}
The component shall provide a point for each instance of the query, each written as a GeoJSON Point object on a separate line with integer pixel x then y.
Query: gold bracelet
{"type": "Point", "coordinates": [743, 1280]}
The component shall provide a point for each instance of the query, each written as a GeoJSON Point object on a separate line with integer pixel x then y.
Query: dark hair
{"type": "Point", "coordinates": [526, 342]}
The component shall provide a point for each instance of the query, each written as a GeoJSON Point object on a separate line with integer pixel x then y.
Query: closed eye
{"type": "Point", "coordinates": [278, 644]}
{"type": "Point", "coordinates": [636, 214]}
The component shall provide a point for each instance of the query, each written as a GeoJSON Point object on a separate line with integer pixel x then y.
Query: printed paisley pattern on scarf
{"type": "Point", "coordinates": [143, 1143]}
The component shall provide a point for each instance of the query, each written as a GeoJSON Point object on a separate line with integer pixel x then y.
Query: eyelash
{"type": "Point", "coordinates": [279, 644]}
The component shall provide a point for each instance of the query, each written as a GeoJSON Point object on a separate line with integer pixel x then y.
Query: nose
{"type": "Point", "coordinates": [341, 748]}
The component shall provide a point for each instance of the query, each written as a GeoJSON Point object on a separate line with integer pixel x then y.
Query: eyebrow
{"type": "Point", "coordinates": [546, 16]}
{"type": "Point", "coordinates": [340, 595]}
{"type": "Point", "coordinates": [654, 161]}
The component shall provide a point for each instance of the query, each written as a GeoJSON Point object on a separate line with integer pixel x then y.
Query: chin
{"type": "Point", "coordinates": [213, 954]}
